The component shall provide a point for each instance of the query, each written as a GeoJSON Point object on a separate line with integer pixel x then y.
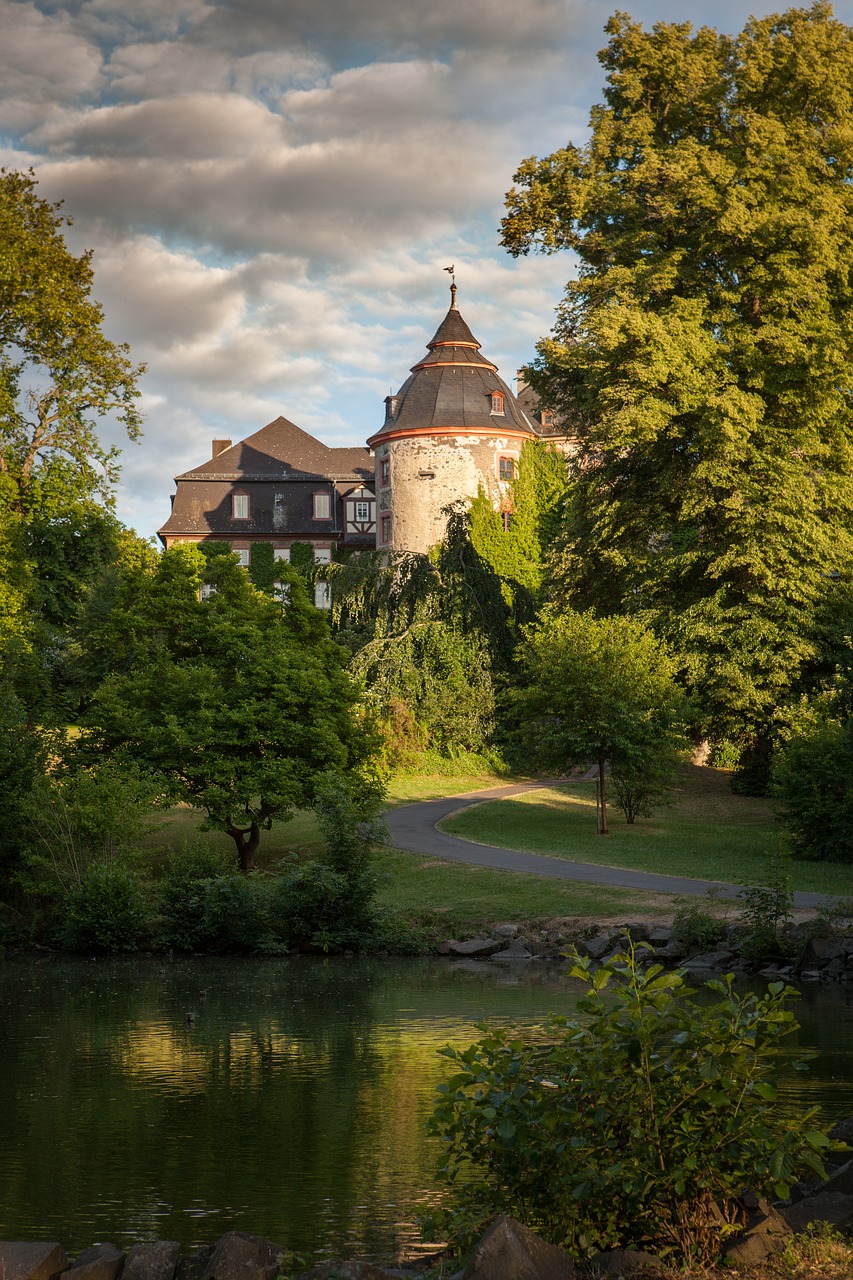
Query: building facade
{"type": "Point", "coordinates": [452, 429]}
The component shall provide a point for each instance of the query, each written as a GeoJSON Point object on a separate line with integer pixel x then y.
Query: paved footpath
{"type": "Point", "coordinates": [414, 827]}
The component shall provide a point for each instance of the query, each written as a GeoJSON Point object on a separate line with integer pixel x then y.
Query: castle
{"type": "Point", "coordinates": [453, 428]}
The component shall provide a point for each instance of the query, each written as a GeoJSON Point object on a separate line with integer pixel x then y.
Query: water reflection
{"type": "Point", "coordinates": [290, 1102]}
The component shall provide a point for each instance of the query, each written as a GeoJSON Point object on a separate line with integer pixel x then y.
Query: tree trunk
{"type": "Point", "coordinates": [246, 839]}
{"type": "Point", "coordinates": [602, 795]}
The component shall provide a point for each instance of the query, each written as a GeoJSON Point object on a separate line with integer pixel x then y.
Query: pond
{"type": "Point", "coordinates": [144, 1099]}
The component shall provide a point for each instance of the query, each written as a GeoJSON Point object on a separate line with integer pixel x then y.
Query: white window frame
{"type": "Point", "coordinates": [322, 499]}
{"type": "Point", "coordinates": [244, 555]}
{"type": "Point", "coordinates": [240, 506]}
{"type": "Point", "coordinates": [322, 555]}
{"type": "Point", "coordinates": [362, 511]}
{"type": "Point", "coordinates": [322, 596]}
{"type": "Point", "coordinates": [282, 553]}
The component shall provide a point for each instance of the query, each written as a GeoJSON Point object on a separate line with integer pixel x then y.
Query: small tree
{"type": "Point", "coordinates": [637, 1125]}
{"type": "Point", "coordinates": [602, 689]}
{"type": "Point", "coordinates": [238, 703]}
{"type": "Point", "coordinates": [813, 780]}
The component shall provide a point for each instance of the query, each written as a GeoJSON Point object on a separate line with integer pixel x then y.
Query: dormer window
{"type": "Point", "coordinates": [498, 404]}
{"type": "Point", "coordinates": [322, 506]}
{"type": "Point", "coordinates": [239, 506]}
{"type": "Point", "coordinates": [547, 418]}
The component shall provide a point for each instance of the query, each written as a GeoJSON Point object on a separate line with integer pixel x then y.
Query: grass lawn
{"type": "Point", "coordinates": [708, 833]}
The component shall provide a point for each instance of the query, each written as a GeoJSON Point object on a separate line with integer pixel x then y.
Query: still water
{"type": "Point", "coordinates": [143, 1100]}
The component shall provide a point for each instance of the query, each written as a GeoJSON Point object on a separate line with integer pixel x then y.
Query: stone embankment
{"type": "Point", "coordinates": [809, 956]}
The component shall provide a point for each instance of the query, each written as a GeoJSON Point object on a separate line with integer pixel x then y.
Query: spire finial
{"type": "Point", "coordinates": [452, 273]}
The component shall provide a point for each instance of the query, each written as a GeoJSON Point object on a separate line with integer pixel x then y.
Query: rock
{"type": "Point", "coordinates": [195, 1264]}
{"type": "Point", "coordinates": [764, 1235]}
{"type": "Point", "coordinates": [515, 951]}
{"type": "Point", "coordinates": [709, 960]}
{"type": "Point", "coordinates": [156, 1261]}
{"type": "Point", "coordinates": [475, 947]}
{"type": "Point", "coordinates": [660, 935]}
{"type": "Point", "coordinates": [505, 930]}
{"type": "Point", "coordinates": [443, 948]}
{"type": "Point", "coordinates": [638, 931]}
{"type": "Point", "coordinates": [597, 946]}
{"type": "Point", "coordinates": [842, 1131]}
{"type": "Point", "coordinates": [31, 1259]}
{"type": "Point", "coordinates": [834, 1207]}
{"type": "Point", "coordinates": [674, 950]}
{"type": "Point", "coordinates": [841, 1180]}
{"type": "Point", "coordinates": [351, 1271]}
{"type": "Point", "coordinates": [510, 1251]}
{"type": "Point", "coordinates": [101, 1262]}
{"type": "Point", "coordinates": [819, 951]}
{"type": "Point", "coordinates": [238, 1256]}
{"type": "Point", "coordinates": [622, 1262]}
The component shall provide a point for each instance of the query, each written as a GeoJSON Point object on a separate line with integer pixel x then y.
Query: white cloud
{"type": "Point", "coordinates": [44, 63]}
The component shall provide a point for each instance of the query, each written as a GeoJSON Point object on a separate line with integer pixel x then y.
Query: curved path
{"type": "Point", "coordinates": [414, 827]}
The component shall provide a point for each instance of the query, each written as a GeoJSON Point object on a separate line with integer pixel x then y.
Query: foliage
{"type": "Point", "coordinates": [236, 703]}
{"type": "Point", "coordinates": [813, 781]}
{"type": "Point", "coordinates": [235, 913]}
{"type": "Point", "coordinates": [694, 925]}
{"type": "Point", "coordinates": [58, 372]}
{"type": "Point", "coordinates": [263, 567]}
{"type": "Point", "coordinates": [181, 895]}
{"type": "Point", "coordinates": [22, 764]}
{"type": "Point", "coordinates": [766, 913]}
{"type": "Point", "coordinates": [315, 907]}
{"type": "Point", "coordinates": [704, 349]}
{"type": "Point", "coordinates": [302, 558]}
{"type": "Point", "coordinates": [517, 552]}
{"type": "Point", "coordinates": [105, 912]}
{"type": "Point", "coordinates": [440, 675]}
{"type": "Point", "coordinates": [638, 1124]}
{"type": "Point", "coordinates": [602, 689]}
{"type": "Point", "coordinates": [349, 815]}
{"type": "Point", "coordinates": [77, 818]}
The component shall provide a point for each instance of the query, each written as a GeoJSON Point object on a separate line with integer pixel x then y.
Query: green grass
{"type": "Point", "coordinates": [708, 833]}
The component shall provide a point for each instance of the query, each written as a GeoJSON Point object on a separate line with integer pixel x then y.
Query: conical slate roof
{"type": "Point", "coordinates": [451, 388]}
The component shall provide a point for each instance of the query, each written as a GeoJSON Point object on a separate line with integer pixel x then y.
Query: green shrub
{"type": "Point", "coordinates": [105, 912]}
{"type": "Point", "coordinates": [813, 783]}
{"type": "Point", "coordinates": [695, 926]}
{"type": "Point", "coordinates": [766, 913]}
{"type": "Point", "coordinates": [313, 906]}
{"type": "Point", "coordinates": [236, 913]}
{"type": "Point", "coordinates": [638, 1124]}
{"type": "Point", "coordinates": [182, 922]}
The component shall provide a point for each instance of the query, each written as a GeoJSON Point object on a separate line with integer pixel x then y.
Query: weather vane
{"type": "Point", "coordinates": [451, 271]}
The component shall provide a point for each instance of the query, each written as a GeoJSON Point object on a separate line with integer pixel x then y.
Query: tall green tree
{"type": "Point", "coordinates": [704, 349]}
{"type": "Point", "coordinates": [602, 690]}
{"type": "Point", "coordinates": [239, 703]}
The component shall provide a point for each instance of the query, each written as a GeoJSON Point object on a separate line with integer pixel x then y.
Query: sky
{"type": "Point", "coordinates": [272, 189]}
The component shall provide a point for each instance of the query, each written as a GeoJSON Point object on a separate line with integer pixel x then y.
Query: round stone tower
{"type": "Point", "coordinates": [453, 428]}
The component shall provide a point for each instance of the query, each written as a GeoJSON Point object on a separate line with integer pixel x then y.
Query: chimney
{"type": "Point", "coordinates": [219, 446]}
{"type": "Point", "coordinates": [521, 378]}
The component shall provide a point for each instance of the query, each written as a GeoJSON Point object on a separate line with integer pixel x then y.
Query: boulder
{"type": "Point", "coordinates": [597, 946]}
{"type": "Point", "coordinates": [351, 1271]}
{"type": "Point", "coordinates": [841, 1180]}
{"type": "Point", "coordinates": [819, 951]}
{"type": "Point", "coordinates": [709, 960]}
{"type": "Point", "coordinates": [638, 931]}
{"type": "Point", "coordinates": [511, 1251]}
{"type": "Point", "coordinates": [238, 1256]}
{"type": "Point", "coordinates": [660, 935]}
{"type": "Point", "coordinates": [155, 1261]}
{"type": "Point", "coordinates": [515, 951]}
{"type": "Point", "coordinates": [31, 1259]}
{"type": "Point", "coordinates": [476, 947]}
{"type": "Point", "coordinates": [622, 1262]}
{"type": "Point", "coordinates": [834, 1207]}
{"type": "Point", "coordinates": [506, 930]}
{"type": "Point", "coordinates": [764, 1235]}
{"type": "Point", "coordinates": [194, 1265]}
{"type": "Point", "coordinates": [101, 1262]}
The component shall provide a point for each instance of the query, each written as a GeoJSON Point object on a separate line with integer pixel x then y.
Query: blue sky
{"type": "Point", "coordinates": [272, 188]}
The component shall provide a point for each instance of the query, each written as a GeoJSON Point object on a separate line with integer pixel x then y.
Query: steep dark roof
{"type": "Point", "coordinates": [452, 386]}
{"type": "Point", "coordinates": [284, 451]}
{"type": "Point", "coordinates": [202, 507]}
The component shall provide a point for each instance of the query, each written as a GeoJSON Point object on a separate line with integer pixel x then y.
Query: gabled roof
{"type": "Point", "coordinates": [283, 451]}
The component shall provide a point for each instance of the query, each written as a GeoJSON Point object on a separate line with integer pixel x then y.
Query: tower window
{"type": "Point", "coordinates": [506, 468]}
{"type": "Point", "coordinates": [385, 529]}
{"type": "Point", "coordinates": [506, 520]}
{"type": "Point", "coordinates": [497, 398]}
{"type": "Point", "coordinates": [385, 471]}
{"type": "Point", "coordinates": [322, 506]}
{"type": "Point", "coordinates": [239, 506]}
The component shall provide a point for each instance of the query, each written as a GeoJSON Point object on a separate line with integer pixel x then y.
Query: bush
{"type": "Point", "coordinates": [694, 926]}
{"type": "Point", "coordinates": [638, 1126]}
{"type": "Point", "coordinates": [236, 913]}
{"type": "Point", "coordinates": [105, 912]}
{"type": "Point", "coordinates": [183, 924]}
{"type": "Point", "coordinates": [313, 906]}
{"type": "Point", "coordinates": [813, 784]}
{"type": "Point", "coordinates": [766, 913]}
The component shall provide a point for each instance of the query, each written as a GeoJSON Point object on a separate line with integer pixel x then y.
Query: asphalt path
{"type": "Point", "coordinates": [414, 827]}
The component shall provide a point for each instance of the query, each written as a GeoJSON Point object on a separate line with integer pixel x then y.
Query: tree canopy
{"type": "Point", "coordinates": [237, 703]}
{"type": "Point", "coordinates": [601, 690]}
{"type": "Point", "coordinates": [704, 349]}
